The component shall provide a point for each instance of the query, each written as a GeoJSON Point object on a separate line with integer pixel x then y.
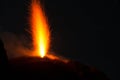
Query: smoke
{"type": "Point", "coordinates": [20, 45]}
{"type": "Point", "coordinates": [16, 45]}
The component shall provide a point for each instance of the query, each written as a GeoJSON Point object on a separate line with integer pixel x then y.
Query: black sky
{"type": "Point", "coordinates": [77, 27]}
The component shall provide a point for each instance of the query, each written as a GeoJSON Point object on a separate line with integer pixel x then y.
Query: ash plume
{"type": "Point", "coordinates": [19, 45]}
{"type": "Point", "coordinates": [16, 45]}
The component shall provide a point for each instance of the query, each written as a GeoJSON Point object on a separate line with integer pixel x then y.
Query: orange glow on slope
{"type": "Point", "coordinates": [40, 29]}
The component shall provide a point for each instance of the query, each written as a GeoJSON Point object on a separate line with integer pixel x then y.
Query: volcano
{"type": "Point", "coordinates": [43, 68]}
{"type": "Point", "coordinates": [34, 68]}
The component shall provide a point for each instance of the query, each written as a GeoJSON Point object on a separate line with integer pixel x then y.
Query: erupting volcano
{"type": "Point", "coordinates": [50, 67]}
{"type": "Point", "coordinates": [39, 29]}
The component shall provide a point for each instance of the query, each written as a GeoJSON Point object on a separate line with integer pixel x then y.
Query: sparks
{"type": "Point", "coordinates": [40, 29]}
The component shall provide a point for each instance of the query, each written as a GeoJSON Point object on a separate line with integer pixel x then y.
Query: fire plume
{"type": "Point", "coordinates": [39, 28]}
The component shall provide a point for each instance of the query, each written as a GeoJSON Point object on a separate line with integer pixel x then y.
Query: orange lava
{"type": "Point", "coordinates": [40, 29]}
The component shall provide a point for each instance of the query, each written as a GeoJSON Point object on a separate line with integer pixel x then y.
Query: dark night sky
{"type": "Point", "coordinates": [77, 27]}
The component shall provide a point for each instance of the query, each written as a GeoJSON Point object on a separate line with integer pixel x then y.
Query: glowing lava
{"type": "Point", "coordinates": [40, 29]}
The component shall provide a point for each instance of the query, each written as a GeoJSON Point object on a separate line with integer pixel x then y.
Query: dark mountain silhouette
{"type": "Point", "coordinates": [3, 55]}
{"type": "Point", "coordinates": [33, 68]}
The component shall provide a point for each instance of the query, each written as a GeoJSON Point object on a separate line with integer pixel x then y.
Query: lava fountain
{"type": "Point", "coordinates": [40, 29]}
